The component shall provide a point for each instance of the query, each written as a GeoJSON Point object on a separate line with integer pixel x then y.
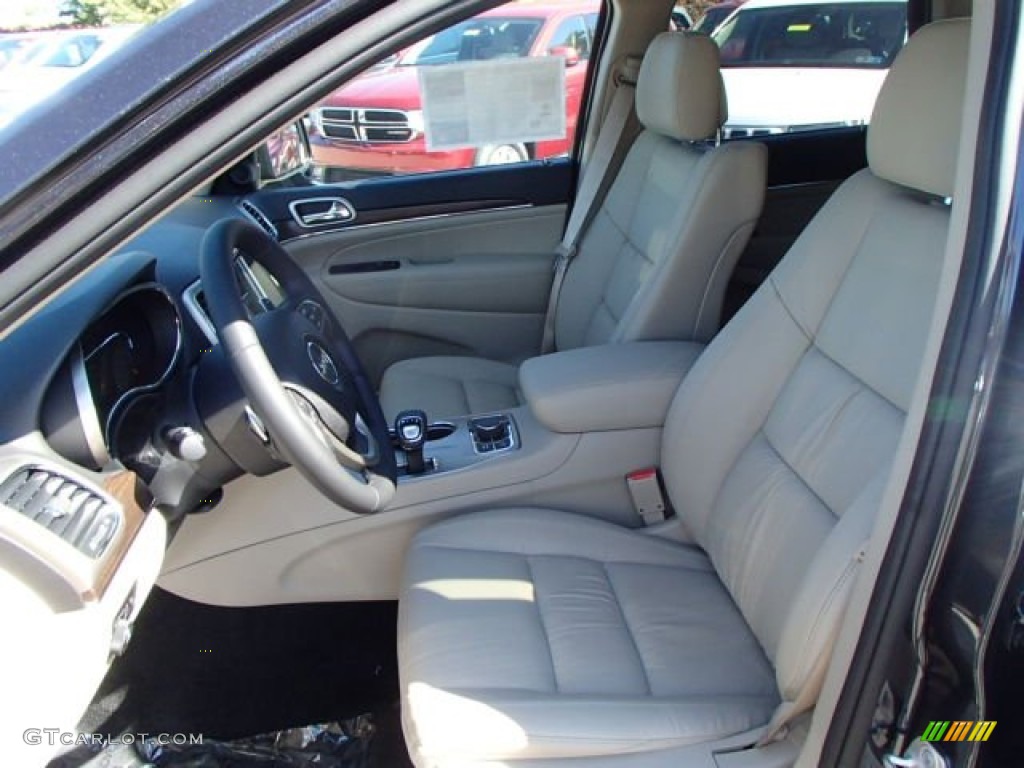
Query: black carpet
{"type": "Point", "coordinates": [229, 673]}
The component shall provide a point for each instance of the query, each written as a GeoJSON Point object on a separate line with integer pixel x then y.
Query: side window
{"type": "Point", "coordinates": [501, 87]}
{"type": "Point", "coordinates": [572, 34]}
{"type": "Point", "coordinates": [806, 66]}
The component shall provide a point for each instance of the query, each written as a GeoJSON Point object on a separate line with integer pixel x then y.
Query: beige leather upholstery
{"type": "Point", "coordinates": [446, 387]}
{"type": "Point", "coordinates": [595, 389]}
{"type": "Point", "coordinates": [538, 634]}
{"type": "Point", "coordinates": [689, 69]}
{"type": "Point", "coordinates": [528, 633]}
{"type": "Point", "coordinates": [924, 163]}
{"type": "Point", "coordinates": [657, 255]}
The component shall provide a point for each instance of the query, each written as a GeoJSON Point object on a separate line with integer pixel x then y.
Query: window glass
{"type": "Point", "coordinates": [806, 66]}
{"type": "Point", "coordinates": [429, 108]}
{"type": "Point", "coordinates": [572, 34]}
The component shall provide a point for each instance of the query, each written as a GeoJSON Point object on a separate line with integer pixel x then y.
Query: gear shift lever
{"type": "Point", "coordinates": [411, 428]}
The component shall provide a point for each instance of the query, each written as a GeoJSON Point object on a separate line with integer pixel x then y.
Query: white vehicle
{"type": "Point", "coordinates": [796, 65]}
{"type": "Point", "coordinates": [52, 62]}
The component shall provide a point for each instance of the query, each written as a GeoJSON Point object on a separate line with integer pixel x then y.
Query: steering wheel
{"type": "Point", "coordinates": [299, 371]}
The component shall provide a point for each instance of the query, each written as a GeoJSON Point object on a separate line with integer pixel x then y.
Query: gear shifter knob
{"type": "Point", "coordinates": [411, 429]}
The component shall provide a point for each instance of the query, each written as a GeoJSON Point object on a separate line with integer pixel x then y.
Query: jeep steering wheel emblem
{"type": "Point", "coordinates": [323, 364]}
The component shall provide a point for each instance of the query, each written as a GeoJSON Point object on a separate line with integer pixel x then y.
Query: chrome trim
{"type": "Point", "coordinates": [513, 433]}
{"type": "Point", "coordinates": [87, 413]}
{"type": "Point", "coordinates": [254, 284]}
{"type": "Point", "coordinates": [341, 208]}
{"type": "Point", "coordinates": [428, 217]}
{"type": "Point", "coordinates": [190, 297]}
{"type": "Point", "coordinates": [256, 425]}
{"type": "Point", "coordinates": [356, 121]}
{"type": "Point", "coordinates": [258, 217]}
{"type": "Point", "coordinates": [323, 363]}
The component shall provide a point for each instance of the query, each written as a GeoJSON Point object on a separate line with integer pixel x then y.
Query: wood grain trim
{"type": "Point", "coordinates": [133, 496]}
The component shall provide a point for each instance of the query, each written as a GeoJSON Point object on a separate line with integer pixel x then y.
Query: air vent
{"type": "Point", "coordinates": [81, 517]}
{"type": "Point", "coordinates": [259, 218]}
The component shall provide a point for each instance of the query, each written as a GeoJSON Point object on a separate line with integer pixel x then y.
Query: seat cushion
{"type": "Point", "coordinates": [530, 634]}
{"type": "Point", "coordinates": [447, 387]}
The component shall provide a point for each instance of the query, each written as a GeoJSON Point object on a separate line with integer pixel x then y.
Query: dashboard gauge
{"type": "Point", "coordinates": [129, 350]}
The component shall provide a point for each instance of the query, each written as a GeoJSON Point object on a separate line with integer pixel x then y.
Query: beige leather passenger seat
{"type": "Point", "coordinates": [656, 257]}
{"type": "Point", "coordinates": [544, 638]}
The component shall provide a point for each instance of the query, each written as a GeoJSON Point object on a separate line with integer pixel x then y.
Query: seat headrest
{"type": "Point", "coordinates": [679, 92]}
{"type": "Point", "coordinates": [914, 133]}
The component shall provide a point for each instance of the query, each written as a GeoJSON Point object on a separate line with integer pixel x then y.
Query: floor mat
{"type": "Point", "coordinates": [229, 673]}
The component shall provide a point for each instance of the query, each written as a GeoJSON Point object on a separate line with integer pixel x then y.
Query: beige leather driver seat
{"type": "Point", "coordinates": [552, 638]}
{"type": "Point", "coordinates": [656, 257]}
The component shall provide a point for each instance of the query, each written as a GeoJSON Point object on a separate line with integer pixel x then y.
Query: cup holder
{"type": "Point", "coordinates": [440, 431]}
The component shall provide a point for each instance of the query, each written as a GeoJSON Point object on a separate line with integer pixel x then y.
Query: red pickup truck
{"type": "Point", "coordinates": [374, 124]}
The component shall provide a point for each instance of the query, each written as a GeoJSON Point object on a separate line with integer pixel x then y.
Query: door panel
{"type": "Point", "coordinates": [397, 198]}
{"type": "Point", "coordinates": [453, 263]}
{"type": "Point", "coordinates": [472, 283]}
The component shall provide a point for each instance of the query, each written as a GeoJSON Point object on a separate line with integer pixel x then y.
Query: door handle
{"type": "Point", "coordinates": [322, 211]}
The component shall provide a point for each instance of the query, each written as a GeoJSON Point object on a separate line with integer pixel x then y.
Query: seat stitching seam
{"type": "Point", "coordinates": [625, 624]}
{"type": "Point", "coordinates": [797, 474]}
{"type": "Point", "coordinates": [680, 567]}
{"type": "Point", "coordinates": [812, 337]}
{"type": "Point", "coordinates": [866, 385]}
{"type": "Point", "coordinates": [785, 306]}
{"type": "Point", "coordinates": [465, 395]}
{"type": "Point", "coordinates": [543, 626]}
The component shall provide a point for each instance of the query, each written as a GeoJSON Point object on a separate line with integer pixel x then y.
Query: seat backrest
{"type": "Point", "coordinates": [656, 257]}
{"type": "Point", "coordinates": [780, 441]}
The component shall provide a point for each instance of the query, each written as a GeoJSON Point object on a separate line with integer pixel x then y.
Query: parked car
{"type": "Point", "coordinates": [51, 62]}
{"type": "Point", "coordinates": [374, 124]}
{"type": "Point", "coordinates": [794, 65]}
{"type": "Point", "coordinates": [715, 15]}
{"type": "Point", "coordinates": [14, 46]}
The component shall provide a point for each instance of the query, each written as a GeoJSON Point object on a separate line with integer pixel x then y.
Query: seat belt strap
{"type": "Point", "coordinates": [595, 180]}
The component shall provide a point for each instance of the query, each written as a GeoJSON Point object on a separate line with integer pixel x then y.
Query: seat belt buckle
{"type": "Point", "coordinates": [648, 498]}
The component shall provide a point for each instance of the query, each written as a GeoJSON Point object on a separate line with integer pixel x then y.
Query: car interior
{"type": "Point", "coordinates": [297, 453]}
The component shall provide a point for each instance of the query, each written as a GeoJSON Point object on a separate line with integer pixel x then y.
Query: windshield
{"type": "Point", "coordinates": [477, 39]}
{"type": "Point", "coordinates": [848, 35]}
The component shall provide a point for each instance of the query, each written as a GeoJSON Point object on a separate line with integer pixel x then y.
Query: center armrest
{"type": "Point", "coordinates": [615, 386]}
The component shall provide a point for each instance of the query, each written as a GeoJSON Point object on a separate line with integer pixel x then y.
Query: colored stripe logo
{"type": "Point", "coordinates": [958, 730]}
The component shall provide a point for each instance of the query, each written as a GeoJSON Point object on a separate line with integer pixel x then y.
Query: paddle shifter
{"type": "Point", "coordinates": [411, 430]}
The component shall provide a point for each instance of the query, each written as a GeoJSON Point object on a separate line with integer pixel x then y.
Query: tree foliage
{"type": "Point", "coordinates": [97, 12]}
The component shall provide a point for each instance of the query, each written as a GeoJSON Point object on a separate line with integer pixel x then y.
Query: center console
{"type": "Point", "coordinates": [425, 449]}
